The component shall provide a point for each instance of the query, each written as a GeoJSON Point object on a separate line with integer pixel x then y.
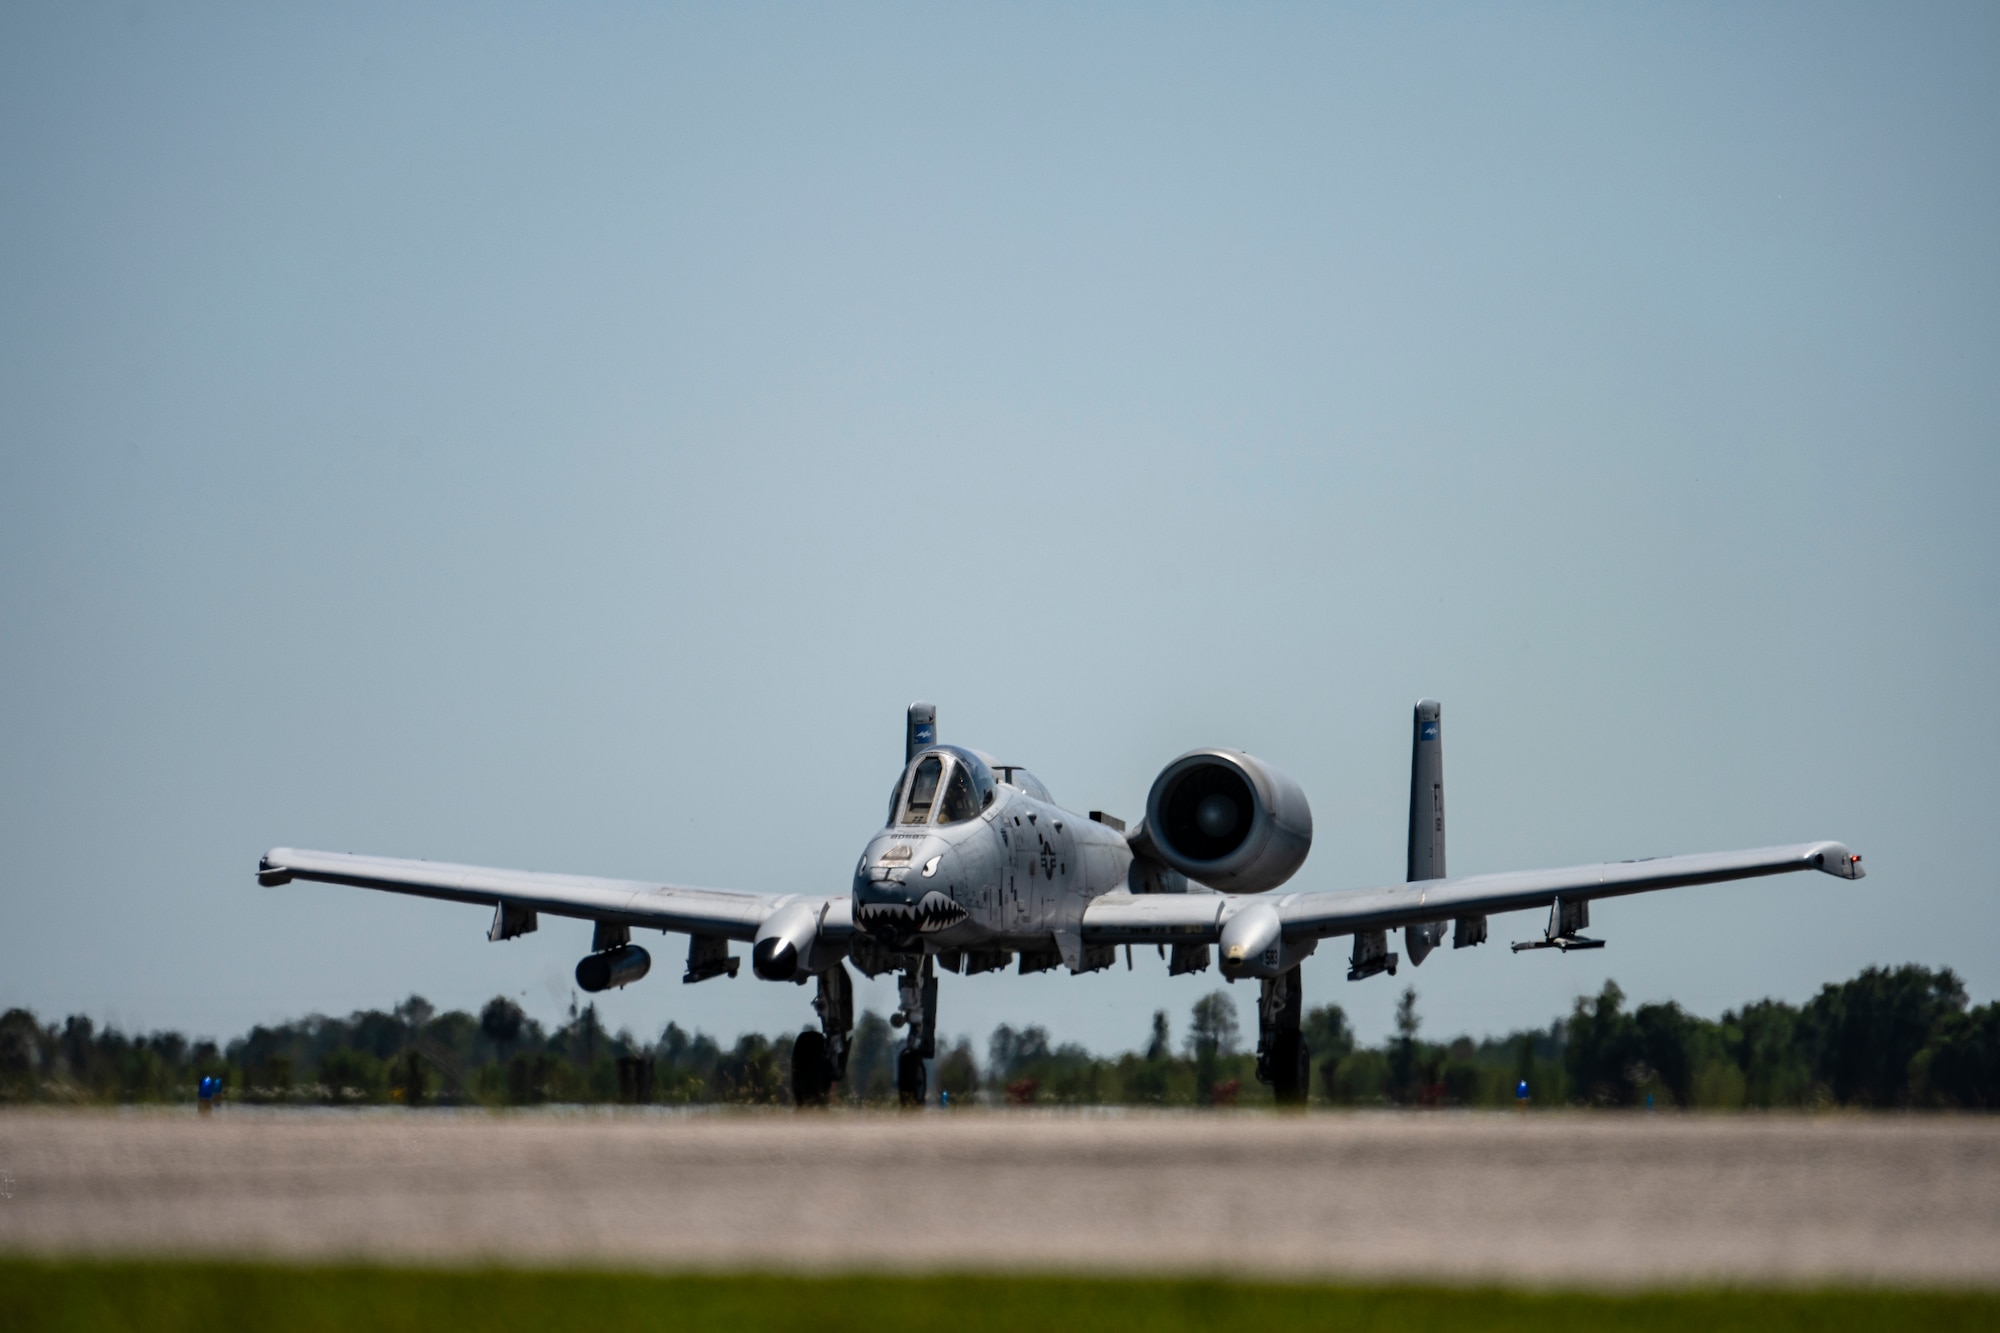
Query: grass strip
{"type": "Point", "coordinates": [104, 1296]}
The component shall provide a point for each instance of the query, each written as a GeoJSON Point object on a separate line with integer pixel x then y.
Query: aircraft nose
{"type": "Point", "coordinates": [884, 907]}
{"type": "Point", "coordinates": [907, 896]}
{"type": "Point", "coordinates": [891, 865]}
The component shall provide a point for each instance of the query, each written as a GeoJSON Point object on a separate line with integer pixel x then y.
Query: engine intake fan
{"type": "Point", "coordinates": [1227, 820]}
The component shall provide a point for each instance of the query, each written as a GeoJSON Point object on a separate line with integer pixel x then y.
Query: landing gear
{"type": "Point", "coordinates": [911, 1082]}
{"type": "Point", "coordinates": [819, 1059]}
{"type": "Point", "coordinates": [917, 991]}
{"type": "Point", "coordinates": [1291, 1069]}
{"type": "Point", "coordinates": [1283, 1059]}
{"type": "Point", "coordinates": [812, 1079]}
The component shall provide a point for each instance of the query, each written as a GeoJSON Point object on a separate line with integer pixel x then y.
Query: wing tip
{"type": "Point", "coordinates": [271, 870]}
{"type": "Point", "coordinates": [1835, 859]}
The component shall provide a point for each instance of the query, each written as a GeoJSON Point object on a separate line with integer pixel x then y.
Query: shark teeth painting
{"type": "Point", "coordinates": [936, 911]}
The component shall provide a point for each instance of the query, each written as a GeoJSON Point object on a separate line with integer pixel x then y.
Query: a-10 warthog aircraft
{"type": "Point", "coordinates": [977, 866]}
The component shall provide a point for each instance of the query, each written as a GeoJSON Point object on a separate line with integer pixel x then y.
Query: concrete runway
{"type": "Point", "coordinates": [1558, 1199]}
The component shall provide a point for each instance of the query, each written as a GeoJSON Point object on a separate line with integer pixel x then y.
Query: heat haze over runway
{"type": "Point", "coordinates": [1560, 1199]}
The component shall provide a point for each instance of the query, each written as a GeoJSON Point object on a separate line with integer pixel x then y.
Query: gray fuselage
{"type": "Point", "coordinates": [1014, 875]}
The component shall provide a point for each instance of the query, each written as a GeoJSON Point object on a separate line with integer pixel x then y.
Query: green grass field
{"type": "Point", "coordinates": [204, 1296]}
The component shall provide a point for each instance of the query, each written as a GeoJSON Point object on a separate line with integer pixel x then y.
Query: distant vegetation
{"type": "Point", "coordinates": [1901, 1037]}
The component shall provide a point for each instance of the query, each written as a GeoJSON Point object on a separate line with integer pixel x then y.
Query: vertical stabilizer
{"type": "Point", "coordinates": [1426, 820]}
{"type": "Point", "coordinates": [921, 731]}
{"type": "Point", "coordinates": [1426, 794]}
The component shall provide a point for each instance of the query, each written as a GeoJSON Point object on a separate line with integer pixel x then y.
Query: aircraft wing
{"type": "Point", "coordinates": [727, 913]}
{"type": "Point", "coordinates": [1315, 915]}
{"type": "Point", "coordinates": [1198, 918]}
{"type": "Point", "coordinates": [1156, 918]}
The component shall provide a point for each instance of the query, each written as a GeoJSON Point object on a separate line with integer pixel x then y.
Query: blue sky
{"type": "Point", "coordinates": [568, 440]}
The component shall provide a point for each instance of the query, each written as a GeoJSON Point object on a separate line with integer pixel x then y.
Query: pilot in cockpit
{"type": "Point", "coordinates": [967, 784]}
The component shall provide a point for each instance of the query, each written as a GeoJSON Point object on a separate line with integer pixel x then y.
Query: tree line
{"type": "Point", "coordinates": [1890, 1037]}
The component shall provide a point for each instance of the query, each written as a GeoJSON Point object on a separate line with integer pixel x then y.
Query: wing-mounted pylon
{"type": "Point", "coordinates": [1565, 920]}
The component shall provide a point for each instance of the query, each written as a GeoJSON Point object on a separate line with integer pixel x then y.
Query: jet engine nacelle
{"type": "Point", "coordinates": [1230, 821]}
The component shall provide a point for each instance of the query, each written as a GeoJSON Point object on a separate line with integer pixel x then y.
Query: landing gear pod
{"type": "Point", "coordinates": [783, 951]}
{"type": "Point", "coordinates": [613, 968]}
{"type": "Point", "coordinates": [1228, 820]}
{"type": "Point", "coordinates": [1251, 942]}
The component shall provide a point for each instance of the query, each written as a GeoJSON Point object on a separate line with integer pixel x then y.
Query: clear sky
{"type": "Point", "coordinates": [567, 437]}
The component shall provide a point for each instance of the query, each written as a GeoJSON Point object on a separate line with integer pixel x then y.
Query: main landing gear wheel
{"type": "Point", "coordinates": [812, 1076]}
{"type": "Point", "coordinates": [1282, 1058]}
{"type": "Point", "coordinates": [1291, 1068]}
{"type": "Point", "coordinates": [911, 1081]}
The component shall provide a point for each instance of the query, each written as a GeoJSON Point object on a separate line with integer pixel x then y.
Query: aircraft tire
{"type": "Point", "coordinates": [1291, 1069]}
{"type": "Point", "coordinates": [812, 1079]}
{"type": "Point", "coordinates": [911, 1081]}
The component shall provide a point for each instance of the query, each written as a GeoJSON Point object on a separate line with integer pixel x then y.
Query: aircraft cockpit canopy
{"type": "Point", "coordinates": [942, 785]}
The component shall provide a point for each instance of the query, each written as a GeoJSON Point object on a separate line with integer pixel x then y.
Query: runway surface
{"type": "Point", "coordinates": [1559, 1199]}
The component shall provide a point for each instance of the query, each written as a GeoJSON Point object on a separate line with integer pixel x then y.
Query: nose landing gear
{"type": "Point", "coordinates": [917, 990]}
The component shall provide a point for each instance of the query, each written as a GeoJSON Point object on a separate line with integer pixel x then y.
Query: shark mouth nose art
{"type": "Point", "coordinates": [935, 911]}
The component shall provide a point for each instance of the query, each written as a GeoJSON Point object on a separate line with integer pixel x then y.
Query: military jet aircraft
{"type": "Point", "coordinates": [977, 867]}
